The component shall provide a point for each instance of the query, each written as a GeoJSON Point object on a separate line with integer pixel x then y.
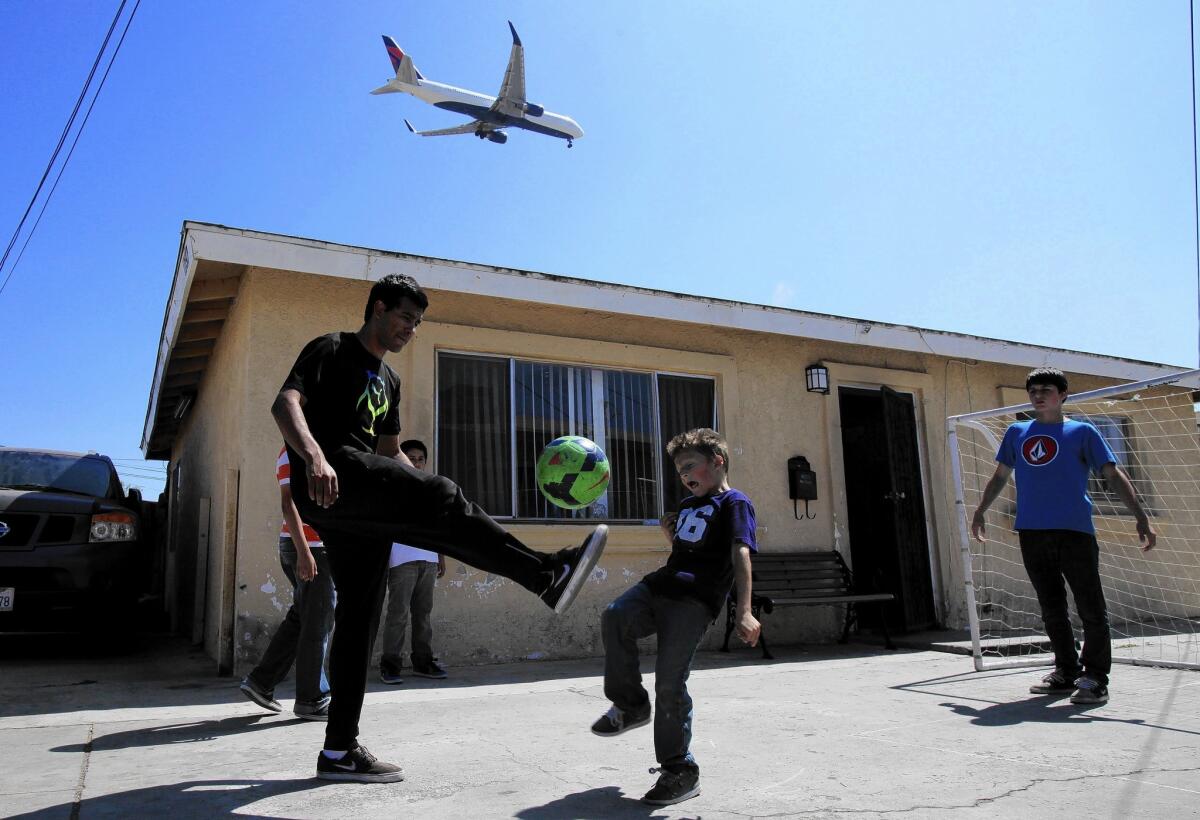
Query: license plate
{"type": "Point", "coordinates": [6, 598]}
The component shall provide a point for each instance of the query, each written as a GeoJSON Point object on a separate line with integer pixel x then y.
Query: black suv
{"type": "Point", "coordinates": [71, 556]}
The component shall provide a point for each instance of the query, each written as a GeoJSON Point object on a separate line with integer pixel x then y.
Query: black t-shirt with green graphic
{"type": "Point", "coordinates": [351, 398]}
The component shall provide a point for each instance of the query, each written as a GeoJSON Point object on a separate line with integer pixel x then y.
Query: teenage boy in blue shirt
{"type": "Point", "coordinates": [711, 538]}
{"type": "Point", "coordinates": [1052, 456]}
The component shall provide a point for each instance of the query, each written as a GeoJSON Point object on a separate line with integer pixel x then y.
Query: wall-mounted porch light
{"type": "Point", "coordinates": [816, 378]}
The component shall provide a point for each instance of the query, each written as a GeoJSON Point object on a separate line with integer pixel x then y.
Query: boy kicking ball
{"type": "Point", "coordinates": [711, 538]}
{"type": "Point", "coordinates": [1052, 456]}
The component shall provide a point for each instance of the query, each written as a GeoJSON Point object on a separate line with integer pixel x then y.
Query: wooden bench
{"type": "Point", "coordinates": [781, 579]}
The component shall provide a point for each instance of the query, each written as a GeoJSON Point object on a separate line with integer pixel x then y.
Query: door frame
{"type": "Point", "coordinates": [918, 385]}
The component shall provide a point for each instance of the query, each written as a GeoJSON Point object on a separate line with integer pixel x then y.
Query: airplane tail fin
{"type": "Point", "coordinates": [402, 64]}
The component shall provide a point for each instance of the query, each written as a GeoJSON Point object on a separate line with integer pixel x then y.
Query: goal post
{"type": "Point", "coordinates": [1154, 597]}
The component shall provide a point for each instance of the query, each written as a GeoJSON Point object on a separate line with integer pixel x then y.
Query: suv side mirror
{"type": "Point", "coordinates": [134, 496]}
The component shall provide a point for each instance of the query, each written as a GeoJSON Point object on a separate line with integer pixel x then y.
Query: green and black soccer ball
{"type": "Point", "coordinates": [572, 472]}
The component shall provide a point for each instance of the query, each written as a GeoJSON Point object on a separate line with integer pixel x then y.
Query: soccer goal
{"type": "Point", "coordinates": [1153, 598]}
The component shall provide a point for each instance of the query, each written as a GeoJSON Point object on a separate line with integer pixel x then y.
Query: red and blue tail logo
{"type": "Point", "coordinates": [394, 52]}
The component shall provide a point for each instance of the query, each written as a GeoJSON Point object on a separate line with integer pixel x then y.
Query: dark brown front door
{"type": "Point", "coordinates": [888, 547]}
{"type": "Point", "coordinates": [908, 509]}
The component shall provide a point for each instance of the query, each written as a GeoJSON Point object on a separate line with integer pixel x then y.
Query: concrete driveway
{"type": "Point", "coordinates": [820, 732]}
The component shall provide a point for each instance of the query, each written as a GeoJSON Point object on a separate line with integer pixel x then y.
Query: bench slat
{"type": "Point", "coordinates": [829, 599]}
{"type": "Point", "coordinates": [799, 579]}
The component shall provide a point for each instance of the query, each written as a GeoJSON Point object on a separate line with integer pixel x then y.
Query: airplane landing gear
{"type": "Point", "coordinates": [570, 143]}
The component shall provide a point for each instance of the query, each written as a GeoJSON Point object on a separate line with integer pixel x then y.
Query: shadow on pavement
{"type": "Point", "coordinates": [193, 798]}
{"type": "Point", "coordinates": [593, 804]}
{"type": "Point", "coordinates": [195, 732]}
{"type": "Point", "coordinates": [1033, 709]}
{"type": "Point", "coordinates": [1045, 709]}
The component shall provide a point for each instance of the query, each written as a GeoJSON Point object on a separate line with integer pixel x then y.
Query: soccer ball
{"type": "Point", "coordinates": [572, 472]}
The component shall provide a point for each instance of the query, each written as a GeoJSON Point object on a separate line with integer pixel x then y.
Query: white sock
{"type": "Point", "coordinates": [333, 755]}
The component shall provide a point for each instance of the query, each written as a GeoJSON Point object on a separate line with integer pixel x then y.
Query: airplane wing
{"type": "Point", "coordinates": [511, 100]}
{"type": "Point", "coordinates": [469, 128]}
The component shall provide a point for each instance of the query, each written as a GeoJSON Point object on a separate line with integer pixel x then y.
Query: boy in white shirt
{"type": "Point", "coordinates": [411, 575]}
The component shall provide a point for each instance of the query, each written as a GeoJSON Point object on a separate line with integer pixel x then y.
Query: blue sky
{"type": "Point", "coordinates": [1015, 170]}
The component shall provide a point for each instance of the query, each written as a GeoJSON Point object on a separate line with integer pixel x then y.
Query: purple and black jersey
{"type": "Point", "coordinates": [701, 562]}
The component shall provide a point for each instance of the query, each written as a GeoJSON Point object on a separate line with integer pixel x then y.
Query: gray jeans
{"type": "Point", "coordinates": [303, 636]}
{"type": "Point", "coordinates": [410, 588]}
{"type": "Point", "coordinates": [680, 625]}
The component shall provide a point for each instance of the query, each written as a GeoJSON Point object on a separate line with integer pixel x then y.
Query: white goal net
{"type": "Point", "coordinates": [1154, 597]}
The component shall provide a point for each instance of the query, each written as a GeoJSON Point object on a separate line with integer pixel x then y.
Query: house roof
{"type": "Point", "coordinates": [202, 295]}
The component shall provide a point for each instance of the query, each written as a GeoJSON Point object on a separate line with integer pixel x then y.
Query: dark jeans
{"type": "Point", "coordinates": [680, 625]}
{"type": "Point", "coordinates": [303, 636]}
{"type": "Point", "coordinates": [410, 588]}
{"type": "Point", "coordinates": [1051, 556]}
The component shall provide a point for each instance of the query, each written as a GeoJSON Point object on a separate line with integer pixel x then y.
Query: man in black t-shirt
{"type": "Point", "coordinates": [339, 412]}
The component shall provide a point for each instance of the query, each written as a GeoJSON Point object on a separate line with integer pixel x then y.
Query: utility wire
{"type": "Point", "coordinates": [1195, 169]}
{"type": "Point", "coordinates": [87, 115]}
{"type": "Point", "coordinates": [62, 139]}
{"type": "Point", "coordinates": [66, 130]}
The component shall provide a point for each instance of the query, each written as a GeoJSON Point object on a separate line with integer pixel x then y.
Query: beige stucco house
{"type": "Point", "coordinates": [508, 359]}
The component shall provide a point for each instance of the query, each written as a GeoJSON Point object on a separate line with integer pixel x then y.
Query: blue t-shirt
{"type": "Point", "coordinates": [701, 562]}
{"type": "Point", "coordinates": [1052, 462]}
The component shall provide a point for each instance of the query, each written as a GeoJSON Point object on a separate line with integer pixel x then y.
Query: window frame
{"type": "Point", "coordinates": [597, 373]}
{"type": "Point", "coordinates": [1105, 500]}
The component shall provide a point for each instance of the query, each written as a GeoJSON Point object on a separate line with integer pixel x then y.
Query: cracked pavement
{"type": "Point", "coordinates": [822, 731]}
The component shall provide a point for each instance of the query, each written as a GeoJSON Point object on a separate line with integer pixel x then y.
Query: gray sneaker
{"type": "Point", "coordinates": [1089, 692]}
{"type": "Point", "coordinates": [390, 674]}
{"type": "Point", "coordinates": [263, 697]}
{"type": "Point", "coordinates": [617, 721]}
{"type": "Point", "coordinates": [358, 765]}
{"type": "Point", "coordinates": [1056, 683]}
{"type": "Point", "coordinates": [673, 787]}
{"type": "Point", "coordinates": [571, 567]}
{"type": "Point", "coordinates": [312, 711]}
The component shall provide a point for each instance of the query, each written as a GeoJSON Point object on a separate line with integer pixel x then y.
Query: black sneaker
{"type": "Point", "coordinates": [617, 721]}
{"type": "Point", "coordinates": [263, 697]}
{"type": "Point", "coordinates": [673, 787]}
{"type": "Point", "coordinates": [1056, 683]}
{"type": "Point", "coordinates": [312, 711]}
{"type": "Point", "coordinates": [571, 568]}
{"type": "Point", "coordinates": [1089, 692]}
{"type": "Point", "coordinates": [359, 765]}
{"type": "Point", "coordinates": [390, 674]}
{"type": "Point", "coordinates": [429, 669]}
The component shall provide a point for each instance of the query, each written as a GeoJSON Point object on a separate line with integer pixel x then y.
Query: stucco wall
{"type": "Point", "coordinates": [765, 413]}
{"type": "Point", "coordinates": [207, 452]}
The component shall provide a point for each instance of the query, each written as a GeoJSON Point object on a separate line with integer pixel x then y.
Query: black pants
{"type": "Point", "coordinates": [381, 501]}
{"type": "Point", "coordinates": [359, 570]}
{"type": "Point", "coordinates": [1051, 556]}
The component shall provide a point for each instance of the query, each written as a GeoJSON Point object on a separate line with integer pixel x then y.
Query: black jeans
{"type": "Point", "coordinates": [382, 501]}
{"type": "Point", "coordinates": [1051, 556]}
{"type": "Point", "coordinates": [359, 570]}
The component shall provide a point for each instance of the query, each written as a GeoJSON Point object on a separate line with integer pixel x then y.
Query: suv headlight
{"type": "Point", "coordinates": [114, 526]}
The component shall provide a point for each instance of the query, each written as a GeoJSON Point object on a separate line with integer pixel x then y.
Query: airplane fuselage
{"type": "Point", "coordinates": [479, 106]}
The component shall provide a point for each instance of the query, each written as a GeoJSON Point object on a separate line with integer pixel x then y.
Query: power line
{"type": "Point", "coordinates": [62, 139]}
{"type": "Point", "coordinates": [1195, 169]}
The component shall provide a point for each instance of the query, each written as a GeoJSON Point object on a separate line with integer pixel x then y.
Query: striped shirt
{"type": "Point", "coordinates": [283, 471]}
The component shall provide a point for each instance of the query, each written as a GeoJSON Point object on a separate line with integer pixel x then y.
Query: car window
{"type": "Point", "coordinates": [87, 475]}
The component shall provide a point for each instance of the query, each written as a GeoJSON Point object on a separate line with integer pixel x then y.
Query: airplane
{"type": "Point", "coordinates": [491, 114]}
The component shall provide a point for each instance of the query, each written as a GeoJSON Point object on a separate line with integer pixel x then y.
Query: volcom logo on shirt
{"type": "Point", "coordinates": [374, 400]}
{"type": "Point", "coordinates": [1038, 451]}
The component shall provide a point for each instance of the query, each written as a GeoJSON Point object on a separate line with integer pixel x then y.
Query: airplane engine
{"type": "Point", "coordinates": [498, 137]}
{"type": "Point", "coordinates": [534, 110]}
